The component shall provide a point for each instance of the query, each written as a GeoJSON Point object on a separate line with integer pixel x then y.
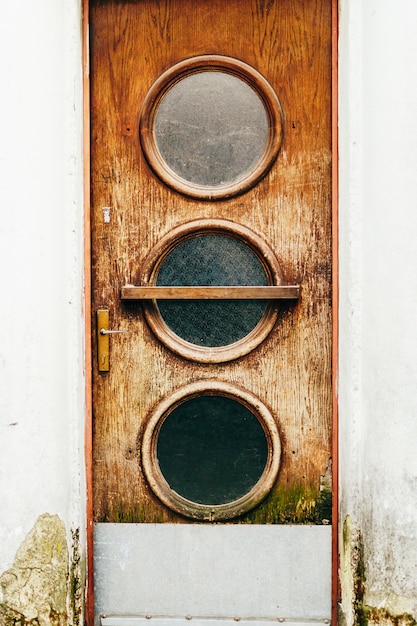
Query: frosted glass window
{"type": "Point", "coordinates": [211, 128]}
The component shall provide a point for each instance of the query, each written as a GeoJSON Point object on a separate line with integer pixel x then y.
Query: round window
{"type": "Point", "coordinates": [211, 127]}
{"type": "Point", "coordinates": [211, 451]}
{"type": "Point", "coordinates": [211, 253]}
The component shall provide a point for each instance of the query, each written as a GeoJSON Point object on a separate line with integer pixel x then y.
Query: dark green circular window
{"type": "Point", "coordinates": [212, 450]}
{"type": "Point", "coordinates": [209, 260]}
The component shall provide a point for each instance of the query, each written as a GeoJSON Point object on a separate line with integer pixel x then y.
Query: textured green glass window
{"type": "Point", "coordinates": [212, 450]}
{"type": "Point", "coordinates": [209, 260]}
{"type": "Point", "coordinates": [211, 128]}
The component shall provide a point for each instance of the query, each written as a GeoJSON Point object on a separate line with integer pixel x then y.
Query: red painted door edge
{"type": "Point", "coordinates": [335, 309]}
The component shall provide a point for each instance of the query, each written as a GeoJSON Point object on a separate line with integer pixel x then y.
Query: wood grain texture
{"type": "Point", "coordinates": [289, 292]}
{"type": "Point", "coordinates": [289, 43]}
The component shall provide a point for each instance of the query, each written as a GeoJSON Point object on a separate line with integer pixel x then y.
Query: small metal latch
{"type": "Point", "coordinates": [103, 343]}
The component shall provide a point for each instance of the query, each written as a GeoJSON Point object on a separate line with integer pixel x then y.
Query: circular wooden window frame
{"type": "Point", "coordinates": [188, 508]}
{"type": "Point", "coordinates": [200, 64]}
{"type": "Point", "coordinates": [178, 345]}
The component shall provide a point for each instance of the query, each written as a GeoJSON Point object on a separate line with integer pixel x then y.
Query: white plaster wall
{"type": "Point", "coordinates": [378, 285]}
{"type": "Point", "coordinates": [41, 327]}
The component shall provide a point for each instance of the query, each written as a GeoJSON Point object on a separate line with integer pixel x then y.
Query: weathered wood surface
{"type": "Point", "coordinates": [132, 292]}
{"type": "Point", "coordinates": [289, 43]}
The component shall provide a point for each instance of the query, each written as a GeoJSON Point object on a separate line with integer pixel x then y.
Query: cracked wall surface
{"type": "Point", "coordinates": [357, 607]}
{"type": "Point", "coordinates": [35, 588]}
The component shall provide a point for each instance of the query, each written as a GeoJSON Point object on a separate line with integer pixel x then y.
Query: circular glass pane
{"type": "Point", "coordinates": [212, 450]}
{"type": "Point", "coordinates": [207, 260]}
{"type": "Point", "coordinates": [211, 252]}
{"type": "Point", "coordinates": [211, 128]}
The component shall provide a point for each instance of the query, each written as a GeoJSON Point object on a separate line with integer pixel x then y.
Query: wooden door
{"type": "Point", "coordinates": [211, 166]}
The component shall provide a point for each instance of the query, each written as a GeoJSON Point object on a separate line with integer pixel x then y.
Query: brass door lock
{"type": "Point", "coordinates": [103, 339]}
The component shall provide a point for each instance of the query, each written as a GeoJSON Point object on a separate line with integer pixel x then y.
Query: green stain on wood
{"type": "Point", "coordinates": [122, 513]}
{"type": "Point", "coordinates": [294, 504]}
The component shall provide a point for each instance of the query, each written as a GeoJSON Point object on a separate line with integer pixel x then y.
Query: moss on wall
{"type": "Point", "coordinates": [382, 617]}
{"type": "Point", "coordinates": [76, 581]}
{"type": "Point", "coordinates": [41, 588]}
{"type": "Point", "coordinates": [353, 610]}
